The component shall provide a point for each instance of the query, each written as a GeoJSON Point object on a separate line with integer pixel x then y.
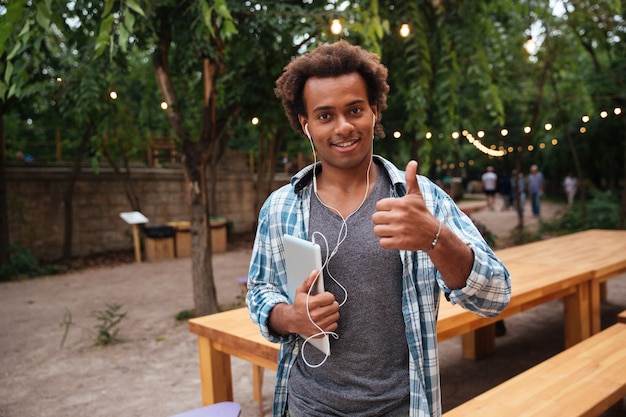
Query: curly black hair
{"type": "Point", "coordinates": [332, 60]}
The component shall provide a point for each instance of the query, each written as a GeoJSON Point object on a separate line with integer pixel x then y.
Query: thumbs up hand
{"type": "Point", "coordinates": [405, 223]}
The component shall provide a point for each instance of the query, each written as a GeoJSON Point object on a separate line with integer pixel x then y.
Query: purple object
{"type": "Point", "coordinates": [223, 409]}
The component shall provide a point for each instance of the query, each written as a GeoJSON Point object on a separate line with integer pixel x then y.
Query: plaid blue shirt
{"type": "Point", "coordinates": [487, 292]}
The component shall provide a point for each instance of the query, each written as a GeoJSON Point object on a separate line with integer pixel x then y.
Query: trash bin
{"type": "Point", "coordinates": [182, 241]}
{"type": "Point", "coordinates": [159, 243]}
{"type": "Point", "coordinates": [218, 234]}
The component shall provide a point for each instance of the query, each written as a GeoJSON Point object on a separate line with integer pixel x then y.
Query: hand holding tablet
{"type": "Point", "coordinates": [302, 257]}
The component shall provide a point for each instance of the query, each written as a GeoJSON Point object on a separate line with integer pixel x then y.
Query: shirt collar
{"type": "Point", "coordinates": [304, 177]}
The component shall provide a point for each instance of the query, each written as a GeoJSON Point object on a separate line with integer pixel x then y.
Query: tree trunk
{"type": "Point", "coordinates": [572, 148]}
{"type": "Point", "coordinates": [195, 157]}
{"type": "Point", "coordinates": [269, 148]}
{"type": "Point", "coordinates": [622, 216]}
{"type": "Point", "coordinates": [127, 182]}
{"type": "Point", "coordinates": [68, 195]}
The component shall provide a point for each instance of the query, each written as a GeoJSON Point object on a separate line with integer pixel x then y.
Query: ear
{"type": "Point", "coordinates": [303, 122]}
{"type": "Point", "coordinates": [375, 114]}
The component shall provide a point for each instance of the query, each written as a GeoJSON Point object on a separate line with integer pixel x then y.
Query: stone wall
{"type": "Point", "coordinates": [36, 212]}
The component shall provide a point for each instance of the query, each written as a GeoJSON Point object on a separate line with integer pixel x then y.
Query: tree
{"type": "Point", "coordinates": [192, 34]}
{"type": "Point", "coordinates": [461, 68]}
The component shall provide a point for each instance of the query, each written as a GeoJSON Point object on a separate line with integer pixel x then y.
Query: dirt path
{"type": "Point", "coordinates": [502, 223]}
{"type": "Point", "coordinates": [154, 370]}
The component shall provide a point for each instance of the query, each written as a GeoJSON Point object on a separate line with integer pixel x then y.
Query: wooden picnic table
{"type": "Point", "coordinates": [540, 272]}
{"type": "Point", "coordinates": [602, 252]}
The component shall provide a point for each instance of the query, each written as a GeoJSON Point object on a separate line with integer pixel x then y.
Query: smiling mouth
{"type": "Point", "coordinates": [345, 144]}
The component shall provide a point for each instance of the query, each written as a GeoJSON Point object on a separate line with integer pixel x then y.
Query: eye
{"type": "Point", "coordinates": [356, 111]}
{"type": "Point", "coordinates": [323, 116]}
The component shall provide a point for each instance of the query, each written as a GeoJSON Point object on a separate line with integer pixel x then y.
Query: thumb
{"type": "Point", "coordinates": [412, 187]}
{"type": "Point", "coordinates": [306, 284]}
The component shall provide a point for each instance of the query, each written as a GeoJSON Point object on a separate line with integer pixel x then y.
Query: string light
{"type": "Point", "coordinates": [335, 26]}
{"type": "Point", "coordinates": [405, 30]}
{"type": "Point", "coordinates": [502, 150]}
{"type": "Point", "coordinates": [530, 46]}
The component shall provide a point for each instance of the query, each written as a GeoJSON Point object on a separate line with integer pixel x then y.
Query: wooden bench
{"type": "Point", "coordinates": [161, 149]}
{"type": "Point", "coordinates": [584, 380]}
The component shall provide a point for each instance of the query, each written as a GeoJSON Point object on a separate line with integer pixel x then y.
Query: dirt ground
{"type": "Point", "coordinates": [49, 366]}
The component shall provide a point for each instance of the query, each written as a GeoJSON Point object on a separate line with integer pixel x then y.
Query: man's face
{"type": "Point", "coordinates": [340, 120]}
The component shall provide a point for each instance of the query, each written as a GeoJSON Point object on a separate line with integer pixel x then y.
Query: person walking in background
{"type": "Point", "coordinates": [506, 193]}
{"type": "Point", "coordinates": [570, 184]}
{"type": "Point", "coordinates": [490, 186]}
{"type": "Point", "coordinates": [535, 189]}
{"type": "Point", "coordinates": [518, 191]}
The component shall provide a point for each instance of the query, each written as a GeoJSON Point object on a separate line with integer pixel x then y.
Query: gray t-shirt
{"type": "Point", "coordinates": [367, 372]}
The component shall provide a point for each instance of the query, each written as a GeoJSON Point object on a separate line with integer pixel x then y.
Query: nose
{"type": "Point", "coordinates": [344, 127]}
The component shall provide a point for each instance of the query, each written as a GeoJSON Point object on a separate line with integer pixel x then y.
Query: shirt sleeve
{"type": "Point", "coordinates": [488, 287]}
{"type": "Point", "coordinates": [266, 276]}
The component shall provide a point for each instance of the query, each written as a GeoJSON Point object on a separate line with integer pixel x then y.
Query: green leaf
{"type": "Point", "coordinates": [133, 5]}
{"type": "Point", "coordinates": [207, 13]}
{"type": "Point", "coordinates": [11, 91]}
{"type": "Point", "coordinates": [123, 38]}
{"type": "Point", "coordinates": [25, 29]}
{"type": "Point", "coordinates": [104, 35]}
{"type": "Point", "coordinates": [8, 72]}
{"type": "Point", "coordinates": [16, 48]}
{"type": "Point", "coordinates": [129, 21]}
{"type": "Point", "coordinates": [13, 15]}
{"type": "Point", "coordinates": [107, 8]}
{"type": "Point", "coordinates": [222, 10]}
{"type": "Point", "coordinates": [43, 16]}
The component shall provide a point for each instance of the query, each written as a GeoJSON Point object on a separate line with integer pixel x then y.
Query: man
{"type": "Point", "coordinates": [391, 243]}
{"type": "Point", "coordinates": [535, 189]}
{"type": "Point", "coordinates": [490, 186]}
{"type": "Point", "coordinates": [570, 185]}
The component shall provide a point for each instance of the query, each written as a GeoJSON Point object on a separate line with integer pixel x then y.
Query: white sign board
{"type": "Point", "coordinates": [134, 217]}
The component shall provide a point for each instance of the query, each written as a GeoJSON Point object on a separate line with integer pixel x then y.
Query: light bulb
{"type": "Point", "coordinates": [530, 45]}
{"type": "Point", "coordinates": [405, 30]}
{"type": "Point", "coordinates": [335, 26]}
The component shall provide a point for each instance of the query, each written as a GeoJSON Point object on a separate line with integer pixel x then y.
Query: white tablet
{"type": "Point", "coordinates": [302, 257]}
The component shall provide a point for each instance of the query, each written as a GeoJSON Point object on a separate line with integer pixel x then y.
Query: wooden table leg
{"type": "Point", "coordinates": [215, 373]}
{"type": "Point", "coordinates": [136, 243]}
{"type": "Point", "coordinates": [257, 386]}
{"type": "Point", "coordinates": [595, 301]}
{"type": "Point", "coordinates": [479, 343]}
{"type": "Point", "coordinates": [577, 315]}
{"type": "Point", "coordinates": [603, 292]}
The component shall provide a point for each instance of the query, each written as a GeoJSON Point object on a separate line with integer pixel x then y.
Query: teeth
{"type": "Point", "coordinates": [345, 144]}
